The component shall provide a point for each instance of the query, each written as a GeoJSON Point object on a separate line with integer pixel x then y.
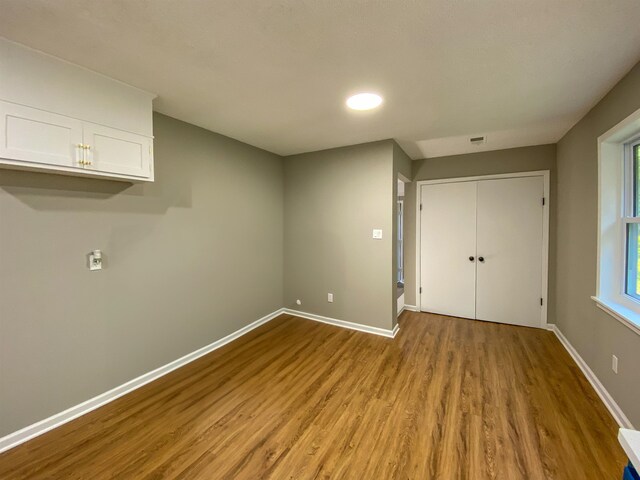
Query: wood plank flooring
{"type": "Point", "coordinates": [295, 399]}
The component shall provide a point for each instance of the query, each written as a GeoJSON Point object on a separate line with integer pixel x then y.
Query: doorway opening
{"type": "Point", "coordinates": [399, 274]}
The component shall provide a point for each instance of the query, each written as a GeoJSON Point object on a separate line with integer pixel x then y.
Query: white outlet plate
{"type": "Point", "coordinates": [330, 297]}
{"type": "Point", "coordinates": [377, 233]}
{"type": "Point", "coordinates": [95, 261]}
{"type": "Point", "coordinates": [614, 363]}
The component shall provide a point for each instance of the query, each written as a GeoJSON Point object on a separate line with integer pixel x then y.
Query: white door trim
{"type": "Point", "coordinates": [545, 228]}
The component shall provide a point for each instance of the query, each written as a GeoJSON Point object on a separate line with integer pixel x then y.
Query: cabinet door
{"type": "Point", "coordinates": [115, 151]}
{"type": "Point", "coordinates": [448, 249]}
{"type": "Point", "coordinates": [510, 243]}
{"type": "Point", "coordinates": [36, 137]}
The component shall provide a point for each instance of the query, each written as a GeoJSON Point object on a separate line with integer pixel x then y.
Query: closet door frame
{"type": "Point", "coordinates": [545, 229]}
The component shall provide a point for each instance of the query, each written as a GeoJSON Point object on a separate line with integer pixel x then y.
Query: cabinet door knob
{"type": "Point", "coordinates": [471, 259]}
{"type": "Point", "coordinates": [481, 259]}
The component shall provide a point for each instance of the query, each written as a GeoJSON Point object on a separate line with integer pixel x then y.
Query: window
{"type": "Point", "coordinates": [618, 282]}
{"type": "Point", "coordinates": [632, 219]}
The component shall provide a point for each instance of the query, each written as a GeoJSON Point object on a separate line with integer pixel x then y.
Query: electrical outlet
{"type": "Point", "coordinates": [95, 260]}
{"type": "Point", "coordinates": [614, 363]}
{"type": "Point", "coordinates": [330, 297]}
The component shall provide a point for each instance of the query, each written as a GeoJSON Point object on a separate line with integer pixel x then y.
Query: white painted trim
{"type": "Point", "coordinates": [620, 313]}
{"type": "Point", "coordinates": [535, 173]}
{"type": "Point", "coordinates": [613, 193]}
{"type": "Point", "coordinates": [605, 396]}
{"type": "Point", "coordinates": [545, 228]}
{"type": "Point", "coordinates": [411, 308]}
{"type": "Point", "coordinates": [344, 324]}
{"type": "Point", "coordinates": [546, 179]}
{"type": "Point", "coordinates": [395, 330]}
{"type": "Point", "coordinates": [16, 438]}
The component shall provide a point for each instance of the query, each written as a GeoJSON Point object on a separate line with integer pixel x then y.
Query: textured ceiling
{"type": "Point", "coordinates": [275, 74]}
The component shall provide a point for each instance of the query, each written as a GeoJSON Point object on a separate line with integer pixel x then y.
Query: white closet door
{"type": "Point", "coordinates": [448, 240]}
{"type": "Point", "coordinates": [509, 246]}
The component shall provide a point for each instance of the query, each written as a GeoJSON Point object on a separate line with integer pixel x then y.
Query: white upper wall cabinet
{"type": "Point", "coordinates": [59, 117]}
{"type": "Point", "coordinates": [115, 151]}
{"type": "Point", "coordinates": [35, 136]}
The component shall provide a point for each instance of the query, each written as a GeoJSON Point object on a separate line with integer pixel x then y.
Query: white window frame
{"type": "Point", "coordinates": [628, 214]}
{"type": "Point", "coordinates": [615, 181]}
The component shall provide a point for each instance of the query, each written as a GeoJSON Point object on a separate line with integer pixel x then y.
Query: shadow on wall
{"type": "Point", "coordinates": [54, 192]}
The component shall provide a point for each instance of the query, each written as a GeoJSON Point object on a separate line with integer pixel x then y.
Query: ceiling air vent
{"type": "Point", "coordinates": [478, 140]}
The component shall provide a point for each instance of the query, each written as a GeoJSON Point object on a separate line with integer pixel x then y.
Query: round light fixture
{"type": "Point", "coordinates": [364, 101]}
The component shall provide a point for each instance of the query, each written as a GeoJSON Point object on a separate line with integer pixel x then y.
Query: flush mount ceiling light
{"type": "Point", "coordinates": [364, 101]}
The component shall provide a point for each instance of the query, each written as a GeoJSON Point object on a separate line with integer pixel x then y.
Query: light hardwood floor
{"type": "Point", "coordinates": [446, 399]}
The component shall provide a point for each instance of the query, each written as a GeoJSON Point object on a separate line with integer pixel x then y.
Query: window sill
{"type": "Point", "coordinates": [624, 315]}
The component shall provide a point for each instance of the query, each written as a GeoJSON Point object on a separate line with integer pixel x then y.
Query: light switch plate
{"type": "Point", "coordinates": [377, 233]}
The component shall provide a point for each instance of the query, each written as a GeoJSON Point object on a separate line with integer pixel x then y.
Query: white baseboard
{"type": "Point", "coordinates": [411, 308]}
{"type": "Point", "coordinates": [396, 329]}
{"type": "Point", "coordinates": [16, 438]}
{"type": "Point", "coordinates": [344, 324]}
{"type": "Point", "coordinates": [602, 392]}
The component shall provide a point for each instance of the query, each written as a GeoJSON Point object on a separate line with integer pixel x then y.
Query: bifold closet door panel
{"type": "Point", "coordinates": [448, 240]}
{"type": "Point", "coordinates": [509, 245]}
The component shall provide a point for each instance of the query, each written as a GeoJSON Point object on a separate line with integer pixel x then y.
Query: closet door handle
{"type": "Point", "coordinates": [471, 259]}
{"type": "Point", "coordinates": [481, 259]}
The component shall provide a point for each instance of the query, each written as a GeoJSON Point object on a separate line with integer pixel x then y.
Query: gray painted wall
{"type": "Point", "coordinates": [333, 200]}
{"type": "Point", "coordinates": [185, 266]}
{"type": "Point", "coordinates": [189, 259]}
{"type": "Point", "coordinates": [542, 157]}
{"type": "Point", "coordinates": [594, 334]}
